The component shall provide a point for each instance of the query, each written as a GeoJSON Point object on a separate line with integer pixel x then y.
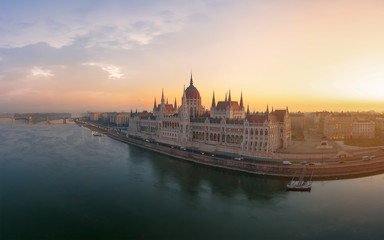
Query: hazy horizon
{"type": "Point", "coordinates": [78, 56]}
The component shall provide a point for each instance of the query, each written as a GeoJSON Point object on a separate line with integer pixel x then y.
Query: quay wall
{"type": "Point", "coordinates": [273, 168]}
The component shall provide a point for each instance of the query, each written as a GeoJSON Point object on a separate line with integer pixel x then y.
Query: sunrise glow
{"type": "Point", "coordinates": [117, 56]}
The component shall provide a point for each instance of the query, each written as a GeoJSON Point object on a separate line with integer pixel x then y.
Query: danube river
{"type": "Point", "coordinates": [60, 182]}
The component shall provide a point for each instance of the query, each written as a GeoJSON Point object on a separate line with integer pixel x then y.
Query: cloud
{"type": "Point", "coordinates": [113, 71]}
{"type": "Point", "coordinates": [40, 72]}
{"type": "Point", "coordinates": [119, 25]}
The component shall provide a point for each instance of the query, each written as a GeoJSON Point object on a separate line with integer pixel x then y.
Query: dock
{"type": "Point", "coordinates": [300, 185]}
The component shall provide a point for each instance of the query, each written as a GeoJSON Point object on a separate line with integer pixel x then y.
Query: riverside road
{"type": "Point", "coordinates": [328, 168]}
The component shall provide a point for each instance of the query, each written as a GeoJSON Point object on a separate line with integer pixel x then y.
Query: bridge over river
{"type": "Point", "coordinates": [33, 118]}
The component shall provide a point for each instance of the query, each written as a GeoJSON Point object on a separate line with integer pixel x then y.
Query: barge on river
{"type": "Point", "coordinates": [300, 185]}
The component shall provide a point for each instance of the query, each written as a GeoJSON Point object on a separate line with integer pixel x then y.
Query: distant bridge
{"type": "Point", "coordinates": [48, 119]}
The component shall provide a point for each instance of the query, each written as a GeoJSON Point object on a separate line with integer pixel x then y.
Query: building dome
{"type": "Point", "coordinates": [191, 92]}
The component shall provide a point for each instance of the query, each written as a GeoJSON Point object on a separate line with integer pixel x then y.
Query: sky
{"type": "Point", "coordinates": [84, 55]}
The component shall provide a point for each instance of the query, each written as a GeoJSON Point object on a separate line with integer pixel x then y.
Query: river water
{"type": "Point", "coordinates": [60, 182]}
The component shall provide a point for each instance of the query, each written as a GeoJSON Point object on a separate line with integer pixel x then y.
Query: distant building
{"type": "Point", "coordinates": [297, 120]}
{"type": "Point", "coordinates": [340, 126]}
{"type": "Point", "coordinates": [95, 116]}
{"type": "Point", "coordinates": [122, 119]}
{"type": "Point", "coordinates": [363, 129]}
{"type": "Point", "coordinates": [380, 123]}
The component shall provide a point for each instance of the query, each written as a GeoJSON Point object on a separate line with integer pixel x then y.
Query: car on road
{"type": "Point", "coordinates": [238, 158]}
{"type": "Point", "coordinates": [287, 163]}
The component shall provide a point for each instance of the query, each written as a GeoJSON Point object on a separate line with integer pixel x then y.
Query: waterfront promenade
{"type": "Point", "coordinates": [328, 168]}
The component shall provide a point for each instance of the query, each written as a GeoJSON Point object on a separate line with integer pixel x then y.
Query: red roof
{"type": "Point", "coordinates": [192, 93]}
{"type": "Point", "coordinates": [256, 118]}
{"type": "Point", "coordinates": [272, 118]}
{"type": "Point", "coordinates": [224, 104]}
{"type": "Point", "coordinates": [143, 115]}
{"type": "Point", "coordinates": [280, 115]}
{"type": "Point", "coordinates": [169, 107]}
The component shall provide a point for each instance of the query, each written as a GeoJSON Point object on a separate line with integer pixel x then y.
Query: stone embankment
{"type": "Point", "coordinates": [329, 169]}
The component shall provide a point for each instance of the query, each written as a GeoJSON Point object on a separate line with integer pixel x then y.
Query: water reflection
{"type": "Point", "coordinates": [59, 181]}
{"type": "Point", "coordinates": [192, 179]}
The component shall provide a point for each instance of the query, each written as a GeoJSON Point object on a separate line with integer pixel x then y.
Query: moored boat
{"type": "Point", "coordinates": [300, 185]}
{"type": "Point", "coordinates": [96, 134]}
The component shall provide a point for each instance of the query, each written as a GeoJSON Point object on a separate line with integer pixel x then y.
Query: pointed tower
{"type": "Point", "coordinates": [272, 110]}
{"type": "Point", "coordinates": [267, 112]}
{"type": "Point", "coordinates": [225, 97]}
{"type": "Point", "coordinates": [162, 96]}
{"type": "Point", "coordinates": [213, 100]}
{"type": "Point", "coordinates": [229, 97]}
{"type": "Point", "coordinates": [241, 101]}
{"type": "Point", "coordinates": [248, 110]}
{"type": "Point", "coordinates": [175, 106]}
{"type": "Point", "coordinates": [184, 119]}
{"type": "Point", "coordinates": [184, 107]}
{"type": "Point", "coordinates": [167, 101]}
{"type": "Point", "coordinates": [191, 81]}
{"type": "Point", "coordinates": [184, 98]}
{"type": "Point", "coordinates": [154, 105]}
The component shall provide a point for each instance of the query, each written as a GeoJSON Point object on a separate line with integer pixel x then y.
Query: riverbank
{"type": "Point", "coordinates": [328, 170]}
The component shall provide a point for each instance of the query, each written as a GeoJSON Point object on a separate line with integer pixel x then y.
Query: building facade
{"type": "Point", "coordinates": [380, 123]}
{"type": "Point", "coordinates": [363, 129]}
{"type": "Point", "coordinates": [227, 125]}
{"type": "Point", "coordinates": [347, 126]}
{"type": "Point", "coordinates": [297, 120]}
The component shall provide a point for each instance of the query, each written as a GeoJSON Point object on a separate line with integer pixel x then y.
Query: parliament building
{"type": "Point", "coordinates": [226, 127]}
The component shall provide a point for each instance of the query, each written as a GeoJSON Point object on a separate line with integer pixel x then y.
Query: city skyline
{"type": "Point", "coordinates": [114, 56]}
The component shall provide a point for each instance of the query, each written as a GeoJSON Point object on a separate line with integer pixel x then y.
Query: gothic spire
{"type": "Point", "coordinates": [225, 96]}
{"type": "Point", "coordinates": [213, 100]}
{"type": "Point", "coordinates": [191, 81]}
{"type": "Point", "coordinates": [154, 105]}
{"type": "Point", "coordinates": [229, 98]}
{"type": "Point", "coordinates": [162, 96]}
{"type": "Point", "coordinates": [175, 106]}
{"type": "Point", "coordinates": [267, 112]}
{"type": "Point", "coordinates": [247, 109]}
{"type": "Point", "coordinates": [167, 101]}
{"type": "Point", "coordinates": [241, 101]}
{"type": "Point", "coordinates": [184, 99]}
